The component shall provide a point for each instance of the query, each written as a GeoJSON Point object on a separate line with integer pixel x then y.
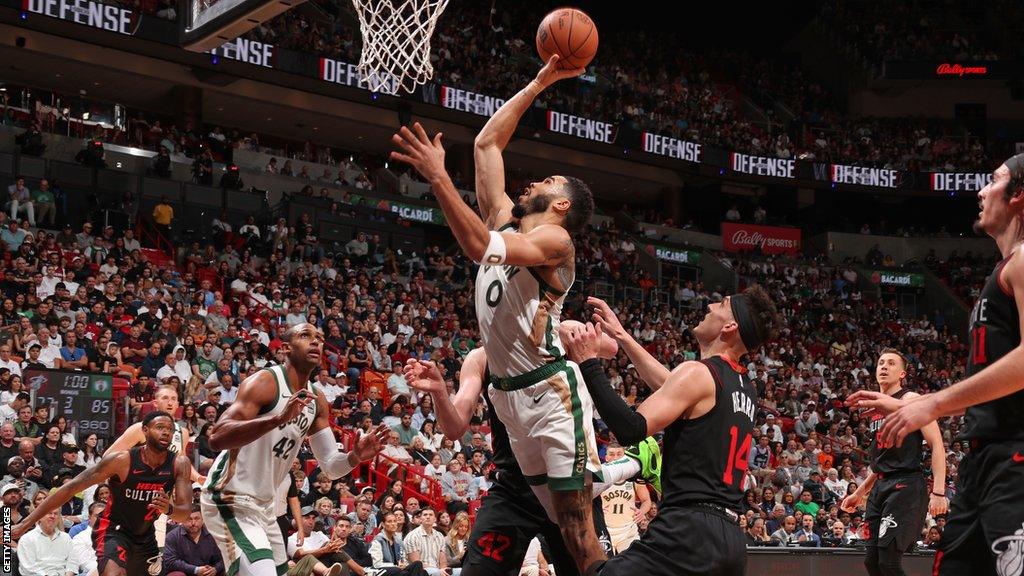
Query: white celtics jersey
{"type": "Point", "coordinates": [619, 502]}
{"type": "Point", "coordinates": [518, 313]}
{"type": "Point", "coordinates": [177, 440]}
{"type": "Point", "coordinates": [258, 468]}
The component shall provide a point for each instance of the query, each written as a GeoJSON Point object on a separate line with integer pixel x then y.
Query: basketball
{"type": "Point", "coordinates": [571, 34]}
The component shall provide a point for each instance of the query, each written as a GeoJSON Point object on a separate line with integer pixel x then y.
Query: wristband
{"type": "Point", "coordinates": [939, 495]}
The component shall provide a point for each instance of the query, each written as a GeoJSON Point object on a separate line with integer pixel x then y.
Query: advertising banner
{"type": "Point", "coordinates": [958, 181]}
{"type": "Point", "coordinates": [466, 101]}
{"type": "Point", "coordinates": [428, 214]}
{"type": "Point", "coordinates": [671, 147]}
{"type": "Point", "coordinates": [863, 176]}
{"type": "Point", "coordinates": [900, 279]}
{"type": "Point", "coordinates": [762, 166]}
{"type": "Point", "coordinates": [674, 255]}
{"type": "Point", "coordinates": [586, 128]}
{"type": "Point", "coordinates": [248, 51]}
{"type": "Point", "coordinates": [768, 239]}
{"type": "Point", "coordinates": [103, 16]}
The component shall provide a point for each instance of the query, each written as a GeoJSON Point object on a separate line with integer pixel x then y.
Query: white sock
{"type": "Point", "coordinates": [616, 471]}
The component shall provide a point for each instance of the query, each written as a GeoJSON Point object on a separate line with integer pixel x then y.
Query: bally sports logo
{"type": "Point", "coordinates": [767, 239]}
{"type": "Point", "coordinates": [946, 69]}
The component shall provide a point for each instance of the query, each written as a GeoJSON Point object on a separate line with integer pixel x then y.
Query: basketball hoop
{"type": "Point", "coordinates": [396, 42]}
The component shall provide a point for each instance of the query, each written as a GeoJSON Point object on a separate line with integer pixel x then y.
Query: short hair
{"type": "Point", "coordinates": [167, 387]}
{"type": "Point", "coordinates": [344, 519]}
{"type": "Point", "coordinates": [897, 353]}
{"type": "Point", "coordinates": [196, 508]}
{"type": "Point", "coordinates": [581, 204]}
{"type": "Point", "coordinates": [154, 415]}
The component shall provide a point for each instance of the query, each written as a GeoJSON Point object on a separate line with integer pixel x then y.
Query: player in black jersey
{"type": "Point", "coordinates": [140, 480]}
{"type": "Point", "coordinates": [984, 532]}
{"type": "Point", "coordinates": [896, 505]}
{"type": "Point", "coordinates": [706, 409]}
{"type": "Point", "coordinates": [510, 515]}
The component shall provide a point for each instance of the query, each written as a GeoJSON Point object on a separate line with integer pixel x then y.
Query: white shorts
{"type": "Point", "coordinates": [550, 420]}
{"type": "Point", "coordinates": [623, 536]}
{"type": "Point", "coordinates": [243, 526]}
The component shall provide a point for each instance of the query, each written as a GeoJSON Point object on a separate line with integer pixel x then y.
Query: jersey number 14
{"type": "Point", "coordinates": [737, 458]}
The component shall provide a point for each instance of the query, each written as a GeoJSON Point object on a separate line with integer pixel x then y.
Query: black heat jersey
{"type": "Point", "coordinates": [903, 459]}
{"type": "Point", "coordinates": [128, 511]}
{"type": "Point", "coordinates": [994, 331]}
{"type": "Point", "coordinates": [501, 448]}
{"type": "Point", "coordinates": [706, 457]}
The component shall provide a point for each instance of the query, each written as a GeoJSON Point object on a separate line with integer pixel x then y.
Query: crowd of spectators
{"type": "Point", "coordinates": [85, 299]}
{"type": "Point", "coordinates": [684, 93]}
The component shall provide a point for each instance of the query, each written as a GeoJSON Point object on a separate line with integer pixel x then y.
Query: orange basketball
{"type": "Point", "coordinates": [571, 34]}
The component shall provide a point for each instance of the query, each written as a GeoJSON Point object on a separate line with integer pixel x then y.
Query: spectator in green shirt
{"type": "Point", "coordinates": [45, 204]}
{"type": "Point", "coordinates": [806, 505]}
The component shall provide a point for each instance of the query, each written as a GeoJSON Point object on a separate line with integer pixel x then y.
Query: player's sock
{"type": "Point", "coordinates": [615, 472]}
{"type": "Point", "coordinates": [648, 454]}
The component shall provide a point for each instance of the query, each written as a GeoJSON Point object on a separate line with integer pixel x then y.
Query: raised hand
{"type": "Point", "coordinates": [583, 343]}
{"type": "Point", "coordinates": [369, 445]}
{"type": "Point", "coordinates": [606, 318]}
{"type": "Point", "coordinates": [425, 376]}
{"type": "Point", "coordinates": [913, 416]}
{"type": "Point", "coordinates": [552, 72]}
{"type": "Point", "coordinates": [874, 402]}
{"type": "Point", "coordinates": [296, 404]}
{"type": "Point", "coordinates": [420, 152]}
{"type": "Point", "coordinates": [160, 502]}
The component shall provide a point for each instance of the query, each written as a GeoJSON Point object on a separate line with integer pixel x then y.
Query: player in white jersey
{"type": "Point", "coordinates": [259, 436]}
{"type": "Point", "coordinates": [625, 506]}
{"type": "Point", "coordinates": [164, 400]}
{"type": "Point", "coordinates": [527, 260]}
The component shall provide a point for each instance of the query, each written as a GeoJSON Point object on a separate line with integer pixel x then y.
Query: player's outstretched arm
{"type": "Point", "coordinates": [112, 463]}
{"type": "Point", "coordinates": [131, 438]}
{"type": "Point", "coordinates": [326, 450]}
{"type": "Point", "coordinates": [1002, 378]}
{"type": "Point", "coordinates": [452, 415]}
{"type": "Point", "coordinates": [495, 205]}
{"type": "Point", "coordinates": [652, 372]}
{"type": "Point", "coordinates": [241, 423]}
{"type": "Point", "coordinates": [546, 245]}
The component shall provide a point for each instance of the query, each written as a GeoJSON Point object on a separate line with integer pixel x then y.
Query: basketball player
{"type": "Point", "coordinates": [164, 400]}
{"type": "Point", "coordinates": [511, 516]}
{"type": "Point", "coordinates": [706, 409]}
{"type": "Point", "coordinates": [259, 436]}
{"type": "Point", "coordinates": [984, 532]}
{"type": "Point", "coordinates": [140, 480]}
{"type": "Point", "coordinates": [896, 505]}
{"type": "Point", "coordinates": [527, 262]}
{"type": "Point", "coordinates": [625, 505]}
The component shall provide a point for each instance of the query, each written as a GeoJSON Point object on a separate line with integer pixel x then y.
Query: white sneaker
{"type": "Point", "coordinates": [335, 570]}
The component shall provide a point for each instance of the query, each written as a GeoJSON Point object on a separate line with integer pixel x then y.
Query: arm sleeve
{"type": "Point", "coordinates": [332, 460]}
{"type": "Point", "coordinates": [628, 426]}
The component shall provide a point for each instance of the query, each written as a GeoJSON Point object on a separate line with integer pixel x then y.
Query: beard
{"type": "Point", "coordinates": [534, 205]}
{"type": "Point", "coordinates": [978, 228]}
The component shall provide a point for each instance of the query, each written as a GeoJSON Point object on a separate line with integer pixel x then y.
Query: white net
{"type": "Point", "coordinates": [396, 42]}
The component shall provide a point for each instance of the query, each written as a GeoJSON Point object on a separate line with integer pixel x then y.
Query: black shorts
{"type": "Point", "coordinates": [984, 531]}
{"type": "Point", "coordinates": [896, 511]}
{"type": "Point", "coordinates": [682, 541]}
{"type": "Point", "coordinates": [132, 553]}
{"type": "Point", "coordinates": [509, 518]}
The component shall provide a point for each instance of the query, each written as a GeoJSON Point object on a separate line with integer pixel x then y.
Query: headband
{"type": "Point", "coordinates": [749, 333]}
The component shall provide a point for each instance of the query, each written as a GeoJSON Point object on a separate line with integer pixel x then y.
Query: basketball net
{"type": "Point", "coordinates": [396, 42]}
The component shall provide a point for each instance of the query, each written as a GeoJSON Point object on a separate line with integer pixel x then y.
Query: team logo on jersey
{"type": "Point", "coordinates": [1009, 552]}
{"type": "Point", "coordinates": [885, 524]}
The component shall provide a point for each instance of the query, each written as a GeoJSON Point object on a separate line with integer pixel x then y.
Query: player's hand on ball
{"type": "Point", "coordinates": [583, 342]}
{"type": "Point", "coordinates": [425, 376]}
{"type": "Point", "coordinates": [161, 502]}
{"type": "Point", "coordinates": [606, 318]}
{"type": "Point", "coordinates": [937, 505]}
{"type": "Point", "coordinates": [420, 152]}
{"type": "Point", "coordinates": [551, 73]}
